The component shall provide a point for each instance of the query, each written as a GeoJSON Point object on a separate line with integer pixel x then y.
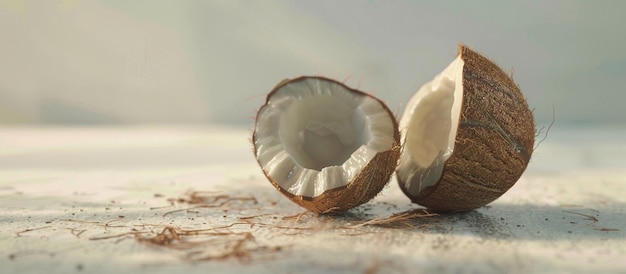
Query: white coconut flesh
{"type": "Point", "coordinates": [428, 127]}
{"type": "Point", "coordinates": [314, 135]}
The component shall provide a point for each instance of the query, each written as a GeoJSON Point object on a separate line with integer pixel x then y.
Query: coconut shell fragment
{"type": "Point", "coordinates": [325, 146]}
{"type": "Point", "coordinates": [493, 139]}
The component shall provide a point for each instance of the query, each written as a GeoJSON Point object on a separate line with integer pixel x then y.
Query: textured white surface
{"type": "Point", "coordinates": [62, 188]}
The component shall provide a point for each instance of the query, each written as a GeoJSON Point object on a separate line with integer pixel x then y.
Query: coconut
{"type": "Point", "coordinates": [467, 136]}
{"type": "Point", "coordinates": [325, 146]}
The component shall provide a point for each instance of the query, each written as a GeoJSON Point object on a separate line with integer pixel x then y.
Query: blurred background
{"type": "Point", "coordinates": [195, 62]}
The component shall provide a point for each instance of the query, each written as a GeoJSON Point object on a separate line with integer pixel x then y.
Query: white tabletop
{"type": "Point", "coordinates": [92, 199]}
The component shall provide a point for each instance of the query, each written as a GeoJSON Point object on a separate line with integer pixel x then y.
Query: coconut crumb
{"type": "Point", "coordinates": [397, 220]}
{"type": "Point", "coordinates": [378, 266]}
{"type": "Point", "coordinates": [232, 238]}
{"type": "Point", "coordinates": [206, 199]}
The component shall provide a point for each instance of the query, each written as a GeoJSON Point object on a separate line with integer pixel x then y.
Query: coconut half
{"type": "Point", "coordinates": [325, 146]}
{"type": "Point", "coordinates": [467, 136]}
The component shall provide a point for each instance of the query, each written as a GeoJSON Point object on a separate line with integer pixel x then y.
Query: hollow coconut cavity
{"type": "Point", "coordinates": [467, 136]}
{"type": "Point", "coordinates": [325, 146]}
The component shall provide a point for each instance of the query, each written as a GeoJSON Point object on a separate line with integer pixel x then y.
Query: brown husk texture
{"type": "Point", "coordinates": [365, 186]}
{"type": "Point", "coordinates": [494, 141]}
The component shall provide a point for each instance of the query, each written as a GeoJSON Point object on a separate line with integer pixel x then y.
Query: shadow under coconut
{"type": "Point", "coordinates": [505, 221]}
{"type": "Point", "coordinates": [495, 221]}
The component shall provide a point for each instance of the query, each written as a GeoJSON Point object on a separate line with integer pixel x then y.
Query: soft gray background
{"type": "Point", "coordinates": [84, 62]}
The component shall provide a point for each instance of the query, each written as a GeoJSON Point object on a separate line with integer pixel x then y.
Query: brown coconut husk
{"type": "Point", "coordinates": [494, 142]}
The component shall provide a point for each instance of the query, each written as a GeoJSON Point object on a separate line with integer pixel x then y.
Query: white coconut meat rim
{"type": "Point", "coordinates": [314, 134]}
{"type": "Point", "coordinates": [428, 128]}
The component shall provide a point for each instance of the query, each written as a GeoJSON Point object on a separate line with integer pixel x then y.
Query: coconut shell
{"type": "Point", "coordinates": [494, 141]}
{"type": "Point", "coordinates": [365, 186]}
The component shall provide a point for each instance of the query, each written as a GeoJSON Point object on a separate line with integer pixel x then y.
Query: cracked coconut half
{"type": "Point", "coordinates": [325, 146]}
{"type": "Point", "coordinates": [467, 136]}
